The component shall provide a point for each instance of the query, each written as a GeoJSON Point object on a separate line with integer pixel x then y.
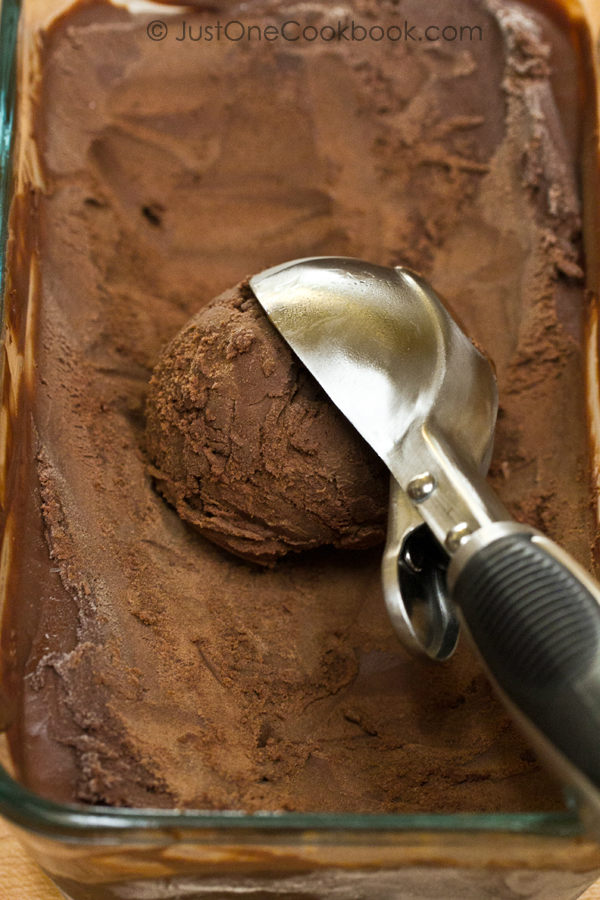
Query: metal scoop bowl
{"type": "Point", "coordinates": [386, 351]}
{"type": "Point", "coordinates": [391, 358]}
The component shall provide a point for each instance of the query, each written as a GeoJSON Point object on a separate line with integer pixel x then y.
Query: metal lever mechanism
{"type": "Point", "coordinates": [414, 582]}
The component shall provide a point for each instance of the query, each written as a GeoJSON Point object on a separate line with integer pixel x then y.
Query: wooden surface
{"type": "Point", "coordinates": [20, 878]}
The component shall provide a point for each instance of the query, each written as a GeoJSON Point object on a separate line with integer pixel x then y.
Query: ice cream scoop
{"type": "Point", "coordinates": [247, 447]}
{"type": "Point", "coordinates": [389, 355]}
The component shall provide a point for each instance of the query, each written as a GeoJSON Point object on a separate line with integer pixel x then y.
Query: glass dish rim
{"type": "Point", "coordinates": [66, 821]}
{"type": "Point", "coordinates": [97, 824]}
{"type": "Point", "coordinates": [9, 20]}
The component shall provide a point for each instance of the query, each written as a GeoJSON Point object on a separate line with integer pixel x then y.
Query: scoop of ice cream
{"type": "Point", "coordinates": [248, 448]}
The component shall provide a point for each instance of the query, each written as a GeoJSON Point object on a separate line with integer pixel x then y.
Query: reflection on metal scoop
{"type": "Point", "coordinates": [384, 348]}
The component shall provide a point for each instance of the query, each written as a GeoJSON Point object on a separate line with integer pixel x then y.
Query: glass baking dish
{"type": "Point", "coordinates": [93, 852]}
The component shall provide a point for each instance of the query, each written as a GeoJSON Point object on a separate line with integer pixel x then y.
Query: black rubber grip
{"type": "Point", "coordinates": [538, 629]}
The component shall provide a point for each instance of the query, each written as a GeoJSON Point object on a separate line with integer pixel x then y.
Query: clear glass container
{"type": "Point", "coordinates": [97, 853]}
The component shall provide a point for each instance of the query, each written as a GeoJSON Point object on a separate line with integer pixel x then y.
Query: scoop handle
{"type": "Point", "coordinates": [534, 615]}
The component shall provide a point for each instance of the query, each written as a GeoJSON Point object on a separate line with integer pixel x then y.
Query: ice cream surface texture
{"type": "Point", "coordinates": [150, 666]}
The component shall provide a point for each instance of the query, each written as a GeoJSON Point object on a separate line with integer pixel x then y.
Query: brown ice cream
{"type": "Point", "coordinates": [148, 666]}
{"type": "Point", "coordinates": [246, 446]}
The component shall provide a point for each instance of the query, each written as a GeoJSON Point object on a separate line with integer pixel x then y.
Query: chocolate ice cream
{"type": "Point", "coordinates": [148, 666]}
{"type": "Point", "coordinates": [248, 448]}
